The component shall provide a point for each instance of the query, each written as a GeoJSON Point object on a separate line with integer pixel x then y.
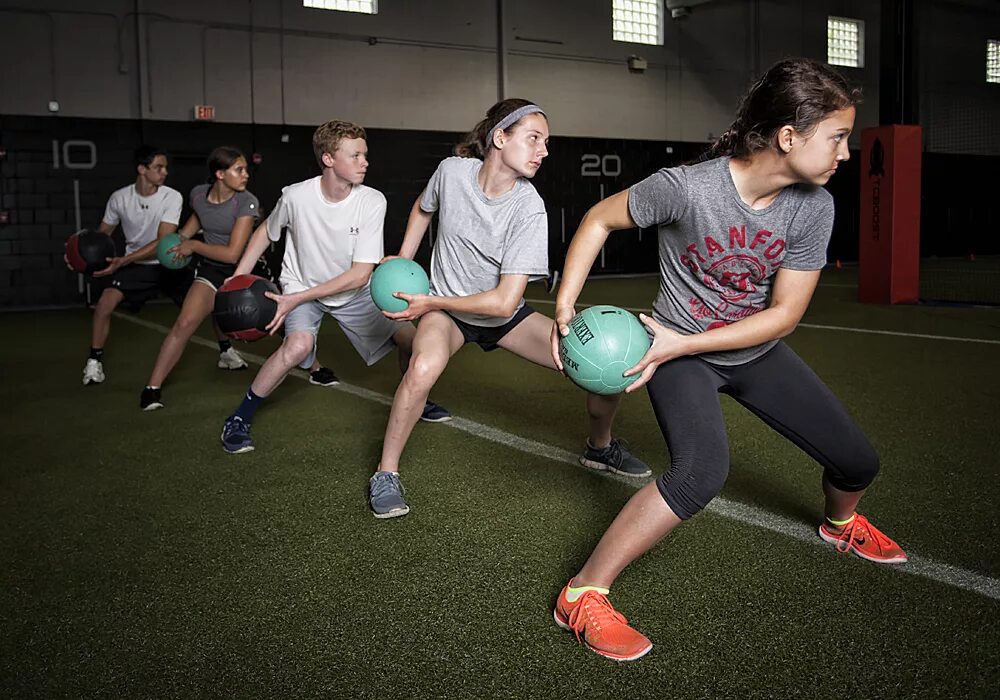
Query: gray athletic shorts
{"type": "Point", "coordinates": [364, 325]}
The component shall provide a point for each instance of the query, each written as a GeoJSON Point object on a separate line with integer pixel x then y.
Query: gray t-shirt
{"type": "Point", "coordinates": [479, 239]}
{"type": "Point", "coordinates": [217, 220]}
{"type": "Point", "coordinates": [718, 257]}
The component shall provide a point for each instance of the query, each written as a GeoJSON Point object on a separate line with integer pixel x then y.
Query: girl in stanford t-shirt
{"type": "Point", "coordinates": [742, 240]}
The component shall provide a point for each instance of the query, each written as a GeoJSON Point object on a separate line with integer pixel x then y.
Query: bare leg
{"type": "Point", "coordinates": [435, 341]}
{"type": "Point", "coordinates": [645, 520]}
{"type": "Point", "coordinates": [109, 301]}
{"type": "Point", "coordinates": [840, 505]}
{"type": "Point", "coordinates": [294, 349]}
{"type": "Point", "coordinates": [197, 305]}
{"type": "Point", "coordinates": [530, 340]}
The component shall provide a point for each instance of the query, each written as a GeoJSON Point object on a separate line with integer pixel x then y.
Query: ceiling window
{"type": "Point", "coordinates": [637, 21]}
{"type": "Point", "coordinates": [845, 42]}
{"type": "Point", "coordinates": [368, 7]}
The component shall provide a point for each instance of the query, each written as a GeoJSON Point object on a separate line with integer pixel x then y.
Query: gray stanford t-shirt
{"type": "Point", "coordinates": [718, 257]}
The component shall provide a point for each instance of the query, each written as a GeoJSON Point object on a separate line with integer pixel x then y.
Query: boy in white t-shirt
{"type": "Point", "coordinates": [334, 226]}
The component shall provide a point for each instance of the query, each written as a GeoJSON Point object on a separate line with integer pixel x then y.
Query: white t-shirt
{"type": "Point", "coordinates": [140, 217]}
{"type": "Point", "coordinates": [325, 238]}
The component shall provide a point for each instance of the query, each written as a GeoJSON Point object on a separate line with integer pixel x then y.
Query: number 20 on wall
{"type": "Point", "coordinates": [594, 165]}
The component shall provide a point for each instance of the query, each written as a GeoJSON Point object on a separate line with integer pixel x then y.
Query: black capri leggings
{"type": "Point", "coordinates": [782, 391]}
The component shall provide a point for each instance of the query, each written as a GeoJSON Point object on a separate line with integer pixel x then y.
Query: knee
{"type": "Point", "coordinates": [186, 326]}
{"type": "Point", "coordinates": [297, 347]}
{"type": "Point", "coordinates": [688, 487]}
{"type": "Point", "coordinates": [857, 470]}
{"type": "Point", "coordinates": [423, 372]}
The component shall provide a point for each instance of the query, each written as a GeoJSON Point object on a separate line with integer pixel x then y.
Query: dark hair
{"type": "Point", "coordinates": [145, 154]}
{"type": "Point", "coordinates": [797, 92]}
{"type": "Point", "coordinates": [480, 140]}
{"type": "Point", "coordinates": [222, 158]}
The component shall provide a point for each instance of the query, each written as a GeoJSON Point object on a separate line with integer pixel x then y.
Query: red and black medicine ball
{"type": "Point", "coordinates": [241, 309]}
{"type": "Point", "coordinates": [88, 251]}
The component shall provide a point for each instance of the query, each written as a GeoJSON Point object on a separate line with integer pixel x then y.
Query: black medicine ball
{"type": "Point", "coordinates": [241, 309]}
{"type": "Point", "coordinates": [88, 251]}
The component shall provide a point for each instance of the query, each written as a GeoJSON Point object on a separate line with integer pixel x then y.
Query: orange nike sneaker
{"type": "Point", "coordinates": [599, 626]}
{"type": "Point", "coordinates": [864, 539]}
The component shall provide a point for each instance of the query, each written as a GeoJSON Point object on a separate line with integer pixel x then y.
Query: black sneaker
{"type": "Point", "coordinates": [433, 413]}
{"type": "Point", "coordinates": [324, 376]}
{"type": "Point", "coordinates": [615, 458]}
{"type": "Point", "coordinates": [150, 399]}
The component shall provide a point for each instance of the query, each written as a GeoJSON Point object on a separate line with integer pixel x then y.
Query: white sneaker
{"type": "Point", "coordinates": [230, 359]}
{"type": "Point", "coordinates": [93, 372]}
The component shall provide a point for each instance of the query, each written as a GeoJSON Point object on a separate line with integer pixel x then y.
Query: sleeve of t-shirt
{"type": "Point", "coordinates": [172, 205]}
{"type": "Point", "coordinates": [370, 246]}
{"type": "Point", "coordinates": [247, 205]}
{"type": "Point", "coordinates": [526, 251]}
{"type": "Point", "coordinates": [432, 192]}
{"type": "Point", "coordinates": [280, 218]}
{"type": "Point", "coordinates": [112, 216]}
{"type": "Point", "coordinates": [659, 199]}
{"type": "Point", "coordinates": [810, 235]}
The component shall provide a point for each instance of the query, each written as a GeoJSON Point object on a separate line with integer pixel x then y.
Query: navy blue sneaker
{"type": "Point", "coordinates": [434, 413]}
{"type": "Point", "coordinates": [615, 458]}
{"type": "Point", "coordinates": [236, 436]}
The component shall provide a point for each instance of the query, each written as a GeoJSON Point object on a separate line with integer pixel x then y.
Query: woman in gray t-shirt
{"type": "Point", "coordinates": [492, 238]}
{"type": "Point", "coordinates": [742, 239]}
{"type": "Point", "coordinates": [226, 212]}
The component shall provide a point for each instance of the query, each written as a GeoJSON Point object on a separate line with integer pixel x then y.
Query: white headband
{"type": "Point", "coordinates": [516, 115]}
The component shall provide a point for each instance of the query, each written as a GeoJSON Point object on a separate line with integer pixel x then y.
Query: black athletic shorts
{"type": "Point", "coordinates": [213, 273]}
{"type": "Point", "coordinates": [140, 283]}
{"type": "Point", "coordinates": [487, 337]}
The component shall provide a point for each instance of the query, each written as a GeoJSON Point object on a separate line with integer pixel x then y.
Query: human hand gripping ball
{"type": "Point", "coordinates": [89, 251]}
{"type": "Point", "coordinates": [242, 309]}
{"type": "Point", "coordinates": [602, 343]}
{"type": "Point", "coordinates": [397, 275]}
{"type": "Point", "coordinates": [166, 254]}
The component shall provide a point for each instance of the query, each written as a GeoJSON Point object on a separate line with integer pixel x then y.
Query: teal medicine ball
{"type": "Point", "coordinates": [397, 275]}
{"type": "Point", "coordinates": [603, 342]}
{"type": "Point", "coordinates": [168, 259]}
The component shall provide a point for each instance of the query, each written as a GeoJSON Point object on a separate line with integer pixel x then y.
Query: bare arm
{"type": "Point", "coordinates": [229, 253]}
{"type": "Point", "coordinates": [144, 253]}
{"type": "Point", "coordinates": [500, 302]}
{"type": "Point", "coordinates": [259, 242]}
{"type": "Point", "coordinates": [353, 278]}
{"type": "Point", "coordinates": [416, 227]}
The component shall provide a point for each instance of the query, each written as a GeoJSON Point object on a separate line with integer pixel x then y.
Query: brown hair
{"type": "Point", "coordinates": [798, 92]}
{"type": "Point", "coordinates": [327, 137]}
{"type": "Point", "coordinates": [222, 158]}
{"type": "Point", "coordinates": [479, 141]}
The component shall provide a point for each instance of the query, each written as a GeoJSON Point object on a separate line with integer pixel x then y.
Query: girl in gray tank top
{"type": "Point", "coordinates": [742, 239]}
{"type": "Point", "coordinates": [226, 212]}
{"type": "Point", "coordinates": [492, 239]}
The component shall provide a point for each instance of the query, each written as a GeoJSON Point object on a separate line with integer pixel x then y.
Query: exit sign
{"type": "Point", "coordinates": [204, 113]}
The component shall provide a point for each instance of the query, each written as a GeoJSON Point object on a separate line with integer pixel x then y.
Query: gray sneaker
{"type": "Point", "coordinates": [385, 494]}
{"type": "Point", "coordinates": [615, 458]}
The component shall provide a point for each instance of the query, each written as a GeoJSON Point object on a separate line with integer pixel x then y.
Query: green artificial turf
{"type": "Point", "coordinates": [137, 559]}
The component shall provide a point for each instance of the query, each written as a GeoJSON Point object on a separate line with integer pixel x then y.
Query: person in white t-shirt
{"type": "Point", "coordinates": [334, 228]}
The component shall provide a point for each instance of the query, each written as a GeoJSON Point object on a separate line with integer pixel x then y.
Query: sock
{"type": "Point", "coordinates": [841, 523]}
{"type": "Point", "coordinates": [154, 388]}
{"type": "Point", "coordinates": [249, 406]}
{"type": "Point", "coordinates": [224, 345]}
{"type": "Point", "coordinates": [97, 354]}
{"type": "Point", "coordinates": [573, 594]}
